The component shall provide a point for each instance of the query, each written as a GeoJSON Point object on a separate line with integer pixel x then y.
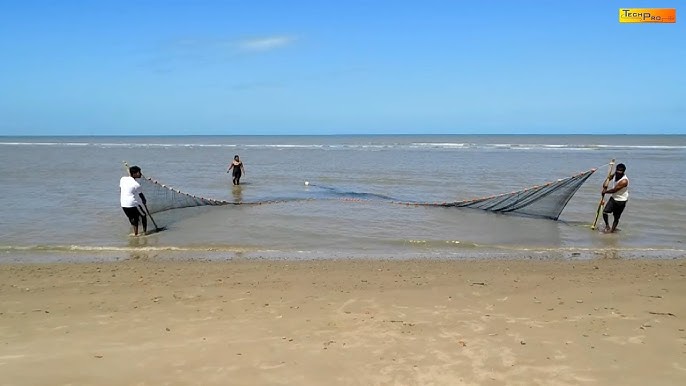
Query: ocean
{"type": "Point", "coordinates": [60, 197]}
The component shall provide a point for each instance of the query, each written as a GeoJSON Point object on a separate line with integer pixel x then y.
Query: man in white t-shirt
{"type": "Point", "coordinates": [617, 202]}
{"type": "Point", "coordinates": [130, 191]}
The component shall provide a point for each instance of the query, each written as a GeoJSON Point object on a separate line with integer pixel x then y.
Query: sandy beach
{"type": "Point", "coordinates": [497, 322]}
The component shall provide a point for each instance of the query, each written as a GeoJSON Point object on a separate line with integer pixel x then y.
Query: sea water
{"type": "Point", "coordinates": [60, 196]}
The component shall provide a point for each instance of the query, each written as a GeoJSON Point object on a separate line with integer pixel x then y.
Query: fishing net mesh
{"type": "Point", "coordinates": [544, 201]}
{"type": "Point", "coordinates": [161, 197]}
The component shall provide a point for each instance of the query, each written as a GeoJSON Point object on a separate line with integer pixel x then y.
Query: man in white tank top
{"type": "Point", "coordinates": [620, 195]}
{"type": "Point", "coordinates": [131, 197]}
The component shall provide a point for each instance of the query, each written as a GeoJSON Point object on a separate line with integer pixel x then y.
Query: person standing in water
{"type": "Point", "coordinates": [617, 202]}
{"type": "Point", "coordinates": [131, 198]}
{"type": "Point", "coordinates": [238, 169]}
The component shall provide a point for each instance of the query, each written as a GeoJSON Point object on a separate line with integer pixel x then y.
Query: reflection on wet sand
{"type": "Point", "coordinates": [140, 242]}
{"type": "Point", "coordinates": [237, 194]}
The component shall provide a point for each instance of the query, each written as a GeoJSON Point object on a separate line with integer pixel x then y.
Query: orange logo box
{"type": "Point", "coordinates": [647, 15]}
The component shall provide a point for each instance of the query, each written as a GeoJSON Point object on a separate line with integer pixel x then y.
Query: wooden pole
{"type": "Point", "coordinates": [606, 183]}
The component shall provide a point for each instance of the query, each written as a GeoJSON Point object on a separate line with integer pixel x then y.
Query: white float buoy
{"type": "Point", "coordinates": [307, 183]}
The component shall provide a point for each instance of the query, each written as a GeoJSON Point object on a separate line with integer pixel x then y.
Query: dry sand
{"type": "Point", "coordinates": [141, 322]}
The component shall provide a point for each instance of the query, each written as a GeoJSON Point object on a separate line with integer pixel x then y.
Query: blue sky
{"type": "Point", "coordinates": [338, 67]}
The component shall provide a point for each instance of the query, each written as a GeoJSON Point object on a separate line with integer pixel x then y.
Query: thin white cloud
{"type": "Point", "coordinates": [200, 51]}
{"type": "Point", "coordinates": [265, 43]}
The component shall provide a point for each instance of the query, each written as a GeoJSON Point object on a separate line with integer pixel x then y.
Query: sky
{"type": "Point", "coordinates": [339, 67]}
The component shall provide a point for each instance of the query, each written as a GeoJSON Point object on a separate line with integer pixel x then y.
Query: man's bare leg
{"type": "Point", "coordinates": [607, 224]}
{"type": "Point", "coordinates": [614, 225]}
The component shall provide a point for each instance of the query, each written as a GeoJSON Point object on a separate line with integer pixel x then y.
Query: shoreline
{"type": "Point", "coordinates": [98, 254]}
{"type": "Point", "coordinates": [350, 321]}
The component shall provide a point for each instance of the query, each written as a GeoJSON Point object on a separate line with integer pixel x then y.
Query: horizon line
{"type": "Point", "coordinates": [335, 135]}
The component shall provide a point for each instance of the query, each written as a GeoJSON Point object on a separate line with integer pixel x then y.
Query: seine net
{"type": "Point", "coordinates": [161, 197]}
{"type": "Point", "coordinates": [544, 201]}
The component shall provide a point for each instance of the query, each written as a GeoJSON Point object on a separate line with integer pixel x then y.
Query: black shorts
{"type": "Point", "coordinates": [614, 207]}
{"type": "Point", "coordinates": [133, 213]}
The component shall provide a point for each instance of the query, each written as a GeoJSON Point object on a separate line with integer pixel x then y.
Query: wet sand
{"type": "Point", "coordinates": [519, 322]}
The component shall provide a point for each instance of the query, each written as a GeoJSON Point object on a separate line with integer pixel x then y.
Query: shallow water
{"type": "Point", "coordinates": [60, 195]}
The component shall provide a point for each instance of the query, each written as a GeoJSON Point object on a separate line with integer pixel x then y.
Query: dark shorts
{"type": "Point", "coordinates": [133, 214]}
{"type": "Point", "coordinates": [236, 173]}
{"type": "Point", "coordinates": [614, 207]}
